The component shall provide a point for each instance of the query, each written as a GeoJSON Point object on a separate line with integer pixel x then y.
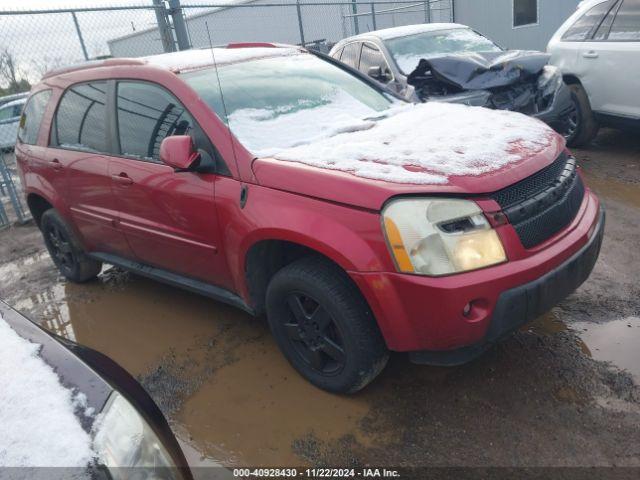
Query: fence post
{"type": "Point", "coordinates": [179, 25]}
{"type": "Point", "coordinates": [79, 32]}
{"type": "Point", "coordinates": [354, 10]}
{"type": "Point", "coordinates": [299, 10]}
{"type": "Point", "coordinates": [166, 37]}
{"type": "Point", "coordinates": [13, 193]}
{"type": "Point", "coordinates": [427, 11]}
{"type": "Point", "coordinates": [373, 15]}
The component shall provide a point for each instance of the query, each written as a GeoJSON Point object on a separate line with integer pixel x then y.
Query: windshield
{"type": "Point", "coordinates": [407, 51]}
{"type": "Point", "coordinates": [277, 103]}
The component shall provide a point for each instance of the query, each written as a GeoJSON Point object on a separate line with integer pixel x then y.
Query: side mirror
{"type": "Point", "coordinates": [378, 74]}
{"type": "Point", "coordinates": [178, 152]}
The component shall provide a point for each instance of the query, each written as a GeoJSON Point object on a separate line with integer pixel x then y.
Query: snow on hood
{"type": "Point", "coordinates": [422, 144]}
{"type": "Point", "coordinates": [39, 427]}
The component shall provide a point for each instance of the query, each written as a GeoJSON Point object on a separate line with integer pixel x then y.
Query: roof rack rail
{"type": "Point", "coordinates": [109, 62]}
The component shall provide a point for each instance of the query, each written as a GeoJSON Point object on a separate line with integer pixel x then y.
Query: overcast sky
{"type": "Point", "coordinates": [43, 41]}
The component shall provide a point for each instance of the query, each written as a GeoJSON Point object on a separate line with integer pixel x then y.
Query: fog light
{"type": "Point", "coordinates": [466, 310]}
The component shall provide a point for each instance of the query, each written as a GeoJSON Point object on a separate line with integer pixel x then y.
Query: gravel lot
{"type": "Point", "coordinates": [562, 392]}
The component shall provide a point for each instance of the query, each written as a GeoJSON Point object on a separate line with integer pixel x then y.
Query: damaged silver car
{"type": "Point", "coordinates": [453, 63]}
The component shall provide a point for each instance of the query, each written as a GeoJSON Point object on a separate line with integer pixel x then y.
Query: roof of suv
{"type": "Point", "coordinates": [191, 59]}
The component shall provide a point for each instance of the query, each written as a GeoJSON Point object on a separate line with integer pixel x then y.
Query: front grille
{"type": "Point", "coordinates": [541, 205]}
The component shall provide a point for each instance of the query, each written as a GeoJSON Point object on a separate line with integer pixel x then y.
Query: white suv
{"type": "Point", "coordinates": [598, 51]}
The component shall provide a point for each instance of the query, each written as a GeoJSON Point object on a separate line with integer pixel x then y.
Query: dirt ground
{"type": "Point", "coordinates": [562, 392]}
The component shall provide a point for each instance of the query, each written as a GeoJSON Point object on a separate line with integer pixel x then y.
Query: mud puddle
{"type": "Point", "coordinates": [616, 342]}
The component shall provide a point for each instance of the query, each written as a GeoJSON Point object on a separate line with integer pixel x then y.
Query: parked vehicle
{"type": "Point", "coordinates": [118, 421]}
{"type": "Point", "coordinates": [448, 62]}
{"type": "Point", "coordinates": [9, 119]}
{"type": "Point", "coordinates": [598, 51]}
{"type": "Point", "coordinates": [13, 97]}
{"type": "Point", "coordinates": [359, 223]}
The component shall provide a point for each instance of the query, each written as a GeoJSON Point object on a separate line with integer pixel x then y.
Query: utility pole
{"type": "Point", "coordinates": [179, 25]}
{"type": "Point", "coordinates": [164, 27]}
{"type": "Point", "coordinates": [354, 10]}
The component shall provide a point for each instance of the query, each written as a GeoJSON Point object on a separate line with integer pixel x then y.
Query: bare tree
{"type": "Point", "coordinates": [46, 64]}
{"type": "Point", "coordinates": [9, 73]}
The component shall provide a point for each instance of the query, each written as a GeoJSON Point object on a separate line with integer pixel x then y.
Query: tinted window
{"type": "Point", "coordinates": [80, 122]}
{"type": "Point", "coordinates": [584, 25]}
{"type": "Point", "coordinates": [372, 57]}
{"type": "Point", "coordinates": [351, 54]}
{"type": "Point", "coordinates": [147, 114]}
{"type": "Point", "coordinates": [525, 12]}
{"type": "Point", "coordinates": [626, 26]}
{"type": "Point", "coordinates": [32, 117]}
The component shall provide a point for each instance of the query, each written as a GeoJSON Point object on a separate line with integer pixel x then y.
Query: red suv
{"type": "Point", "coordinates": [285, 183]}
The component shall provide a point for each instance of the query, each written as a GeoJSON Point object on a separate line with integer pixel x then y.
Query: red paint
{"type": "Point", "coordinates": [193, 223]}
{"type": "Point", "coordinates": [177, 152]}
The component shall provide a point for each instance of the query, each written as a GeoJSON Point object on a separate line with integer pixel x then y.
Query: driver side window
{"type": "Point", "coordinates": [147, 114]}
{"type": "Point", "coordinates": [370, 57]}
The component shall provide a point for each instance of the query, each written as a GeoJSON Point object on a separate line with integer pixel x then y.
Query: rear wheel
{"type": "Point", "coordinates": [324, 327]}
{"type": "Point", "coordinates": [65, 249]}
{"type": "Point", "coordinates": [580, 125]}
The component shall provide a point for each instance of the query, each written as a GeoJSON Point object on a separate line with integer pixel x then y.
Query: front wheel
{"type": "Point", "coordinates": [580, 125]}
{"type": "Point", "coordinates": [324, 327]}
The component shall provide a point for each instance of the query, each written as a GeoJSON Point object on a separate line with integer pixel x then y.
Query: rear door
{"type": "Point", "coordinates": [611, 59]}
{"type": "Point", "coordinates": [78, 156]}
{"type": "Point", "coordinates": [168, 217]}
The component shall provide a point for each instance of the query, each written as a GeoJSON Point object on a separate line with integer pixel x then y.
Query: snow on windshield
{"type": "Point", "coordinates": [417, 144]}
{"type": "Point", "coordinates": [266, 132]}
{"type": "Point", "coordinates": [39, 427]}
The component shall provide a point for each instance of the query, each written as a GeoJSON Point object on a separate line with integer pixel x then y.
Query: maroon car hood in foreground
{"type": "Point", "coordinates": [343, 187]}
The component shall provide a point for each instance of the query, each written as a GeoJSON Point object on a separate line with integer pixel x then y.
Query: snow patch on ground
{"type": "Point", "coordinates": [37, 422]}
{"type": "Point", "coordinates": [418, 144]}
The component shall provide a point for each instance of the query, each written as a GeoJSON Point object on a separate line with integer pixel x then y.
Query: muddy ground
{"type": "Point", "coordinates": [562, 392]}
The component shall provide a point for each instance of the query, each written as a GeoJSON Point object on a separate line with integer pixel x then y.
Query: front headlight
{"type": "Point", "coordinates": [123, 440]}
{"type": "Point", "coordinates": [440, 236]}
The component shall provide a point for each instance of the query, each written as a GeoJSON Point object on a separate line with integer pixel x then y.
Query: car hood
{"type": "Point", "coordinates": [483, 70]}
{"type": "Point", "coordinates": [346, 188]}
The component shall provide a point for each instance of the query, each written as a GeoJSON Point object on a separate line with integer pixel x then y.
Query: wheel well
{"type": "Point", "coordinates": [571, 80]}
{"type": "Point", "coordinates": [265, 259]}
{"type": "Point", "coordinates": [37, 206]}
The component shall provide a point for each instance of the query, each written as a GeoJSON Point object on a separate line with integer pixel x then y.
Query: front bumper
{"type": "Point", "coordinates": [561, 106]}
{"type": "Point", "coordinates": [425, 315]}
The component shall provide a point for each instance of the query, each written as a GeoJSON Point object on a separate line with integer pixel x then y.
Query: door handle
{"type": "Point", "coordinates": [55, 164]}
{"type": "Point", "coordinates": [590, 54]}
{"type": "Point", "coordinates": [122, 179]}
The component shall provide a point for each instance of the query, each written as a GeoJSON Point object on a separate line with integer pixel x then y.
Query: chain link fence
{"type": "Point", "coordinates": [33, 42]}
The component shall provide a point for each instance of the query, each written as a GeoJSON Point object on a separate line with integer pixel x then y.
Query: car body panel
{"type": "Point", "coordinates": [607, 69]}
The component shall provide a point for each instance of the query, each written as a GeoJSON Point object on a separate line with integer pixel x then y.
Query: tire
{"type": "Point", "coordinates": [65, 249]}
{"type": "Point", "coordinates": [586, 127]}
{"type": "Point", "coordinates": [324, 326]}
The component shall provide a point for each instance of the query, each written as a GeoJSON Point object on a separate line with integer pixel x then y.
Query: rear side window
{"type": "Point", "coordinates": [80, 122]}
{"type": "Point", "coordinates": [626, 26]}
{"type": "Point", "coordinates": [32, 117]}
{"type": "Point", "coordinates": [580, 30]}
{"type": "Point", "coordinates": [351, 54]}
